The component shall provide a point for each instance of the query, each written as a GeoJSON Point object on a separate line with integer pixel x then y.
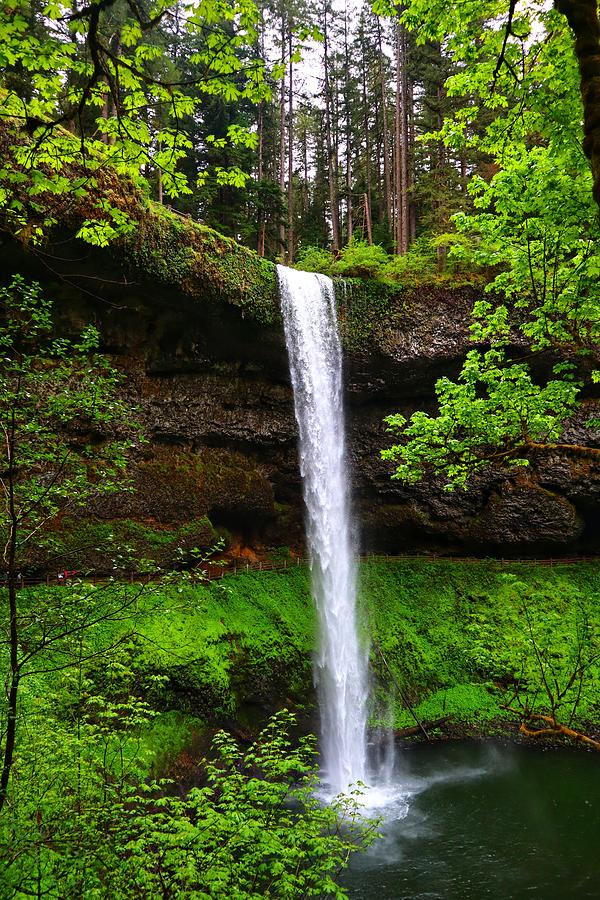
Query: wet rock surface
{"type": "Point", "coordinates": [216, 401]}
{"type": "Point", "coordinates": [212, 390]}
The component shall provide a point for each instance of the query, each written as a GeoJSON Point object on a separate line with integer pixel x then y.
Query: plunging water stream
{"type": "Point", "coordinates": [311, 332]}
{"type": "Point", "coordinates": [461, 820]}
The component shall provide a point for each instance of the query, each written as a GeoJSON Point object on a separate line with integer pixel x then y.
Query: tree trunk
{"type": "Point", "coordinates": [367, 197]}
{"type": "Point", "coordinates": [260, 173]}
{"type": "Point", "coordinates": [159, 174]}
{"type": "Point", "coordinates": [387, 175]}
{"type": "Point", "coordinates": [348, 130]}
{"type": "Point", "coordinates": [381, 206]}
{"type": "Point", "coordinates": [368, 224]}
{"type": "Point", "coordinates": [335, 128]}
{"type": "Point", "coordinates": [331, 166]}
{"type": "Point", "coordinates": [10, 560]}
{"type": "Point", "coordinates": [260, 239]}
{"type": "Point", "coordinates": [13, 689]}
{"type": "Point", "coordinates": [398, 154]}
{"type": "Point", "coordinates": [582, 16]}
{"type": "Point", "coordinates": [282, 235]}
{"type": "Point", "coordinates": [305, 169]}
{"type": "Point", "coordinates": [440, 166]}
{"type": "Point", "coordinates": [412, 211]}
{"type": "Point", "coordinates": [404, 156]}
{"type": "Point", "coordinates": [290, 127]}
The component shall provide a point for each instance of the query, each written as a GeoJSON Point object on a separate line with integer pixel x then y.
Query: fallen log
{"type": "Point", "coordinates": [417, 729]}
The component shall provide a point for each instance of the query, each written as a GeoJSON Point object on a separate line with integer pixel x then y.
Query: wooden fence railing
{"type": "Point", "coordinates": [213, 572]}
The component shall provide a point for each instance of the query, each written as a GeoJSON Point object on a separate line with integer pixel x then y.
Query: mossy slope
{"type": "Point", "coordinates": [461, 638]}
{"type": "Point", "coordinates": [240, 639]}
{"type": "Point", "coordinates": [458, 638]}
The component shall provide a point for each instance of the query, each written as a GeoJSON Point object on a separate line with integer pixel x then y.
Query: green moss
{"type": "Point", "coordinates": [175, 250]}
{"type": "Point", "coordinates": [465, 702]}
{"type": "Point", "coordinates": [364, 308]}
{"type": "Point", "coordinates": [459, 637]}
{"type": "Point", "coordinates": [245, 637]}
{"type": "Point", "coordinates": [456, 638]}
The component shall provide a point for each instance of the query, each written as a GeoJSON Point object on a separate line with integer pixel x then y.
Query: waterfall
{"type": "Point", "coordinates": [313, 344]}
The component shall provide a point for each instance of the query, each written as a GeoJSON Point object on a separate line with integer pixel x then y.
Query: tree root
{"type": "Point", "coordinates": [555, 729]}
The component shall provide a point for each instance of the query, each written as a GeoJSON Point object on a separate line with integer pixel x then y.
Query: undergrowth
{"type": "Point", "coordinates": [420, 265]}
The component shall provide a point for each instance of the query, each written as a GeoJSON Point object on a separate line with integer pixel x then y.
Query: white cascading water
{"type": "Point", "coordinates": [313, 344]}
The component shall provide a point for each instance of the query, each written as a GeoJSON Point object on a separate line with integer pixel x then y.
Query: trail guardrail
{"type": "Point", "coordinates": [213, 572]}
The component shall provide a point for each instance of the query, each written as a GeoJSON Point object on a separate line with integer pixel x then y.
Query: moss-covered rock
{"type": "Point", "coordinates": [458, 636]}
{"type": "Point", "coordinates": [174, 250]}
{"type": "Point", "coordinates": [182, 500]}
{"type": "Point", "coordinates": [158, 245]}
{"type": "Point", "coordinates": [401, 322]}
{"type": "Point", "coordinates": [175, 485]}
{"type": "Point", "coordinates": [362, 308]}
{"type": "Point", "coordinates": [107, 545]}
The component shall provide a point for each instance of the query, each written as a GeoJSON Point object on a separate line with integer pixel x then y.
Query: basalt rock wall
{"type": "Point", "coordinates": [210, 384]}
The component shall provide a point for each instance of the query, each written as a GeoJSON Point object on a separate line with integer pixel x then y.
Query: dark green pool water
{"type": "Point", "coordinates": [487, 821]}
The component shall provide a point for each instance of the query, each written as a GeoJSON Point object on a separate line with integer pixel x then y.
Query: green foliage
{"type": "Point", "coordinates": [216, 644]}
{"type": "Point", "coordinates": [461, 639]}
{"type": "Point", "coordinates": [61, 420]}
{"type": "Point", "coordinates": [421, 265]}
{"type": "Point", "coordinates": [360, 260]}
{"type": "Point", "coordinates": [87, 827]}
{"type": "Point", "coordinates": [469, 704]}
{"type": "Point", "coordinates": [65, 441]}
{"type": "Point", "coordinates": [104, 72]}
{"type": "Point", "coordinates": [255, 830]}
{"type": "Point", "coordinates": [413, 266]}
{"type": "Point", "coordinates": [494, 413]}
{"type": "Point", "coordinates": [538, 224]}
{"type": "Point", "coordinates": [315, 259]}
{"type": "Point", "coordinates": [88, 824]}
{"type": "Point", "coordinates": [534, 228]}
{"type": "Point", "coordinates": [446, 629]}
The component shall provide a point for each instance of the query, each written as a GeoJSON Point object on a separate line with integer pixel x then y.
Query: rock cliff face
{"type": "Point", "coordinates": [211, 385]}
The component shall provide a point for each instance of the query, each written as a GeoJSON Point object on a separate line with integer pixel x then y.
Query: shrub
{"type": "Point", "coordinates": [420, 261]}
{"type": "Point", "coordinates": [255, 830]}
{"type": "Point", "coordinates": [315, 259]}
{"type": "Point", "coordinates": [360, 260]}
